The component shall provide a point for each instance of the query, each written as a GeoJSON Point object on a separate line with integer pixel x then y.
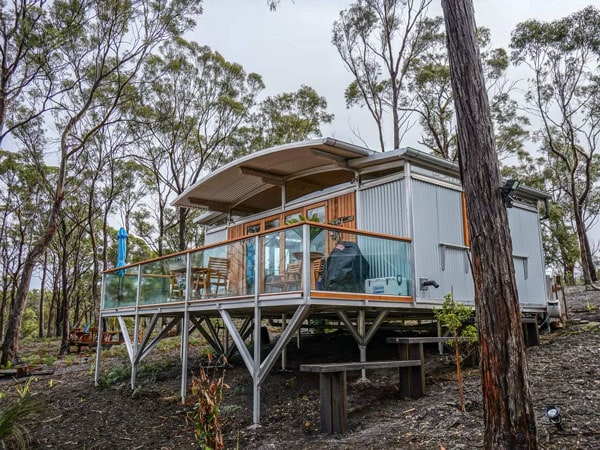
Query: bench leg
{"type": "Point", "coordinates": [412, 379]}
{"type": "Point", "coordinates": [334, 402]}
{"type": "Point", "coordinates": [531, 334]}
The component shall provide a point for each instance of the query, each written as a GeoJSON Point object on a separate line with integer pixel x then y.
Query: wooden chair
{"type": "Point", "coordinates": [215, 277]}
{"type": "Point", "coordinates": [317, 267]}
{"type": "Point", "coordinates": [292, 277]}
{"type": "Point", "coordinates": [289, 280]}
{"type": "Point", "coordinates": [176, 291]}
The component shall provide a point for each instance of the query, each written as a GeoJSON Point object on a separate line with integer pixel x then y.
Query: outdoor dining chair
{"type": "Point", "coordinates": [214, 278]}
{"type": "Point", "coordinates": [289, 280]}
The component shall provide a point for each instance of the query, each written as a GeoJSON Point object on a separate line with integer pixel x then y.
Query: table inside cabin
{"type": "Point", "coordinates": [198, 273]}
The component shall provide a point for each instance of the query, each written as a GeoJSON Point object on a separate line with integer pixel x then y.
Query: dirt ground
{"type": "Point", "coordinates": [564, 371]}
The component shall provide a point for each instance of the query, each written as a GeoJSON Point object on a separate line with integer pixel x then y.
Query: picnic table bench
{"type": "Point", "coordinates": [411, 348]}
{"type": "Point", "coordinates": [79, 338]}
{"type": "Point", "coordinates": [333, 388]}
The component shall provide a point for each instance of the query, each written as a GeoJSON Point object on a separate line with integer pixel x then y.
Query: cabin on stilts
{"type": "Point", "coordinates": [317, 233]}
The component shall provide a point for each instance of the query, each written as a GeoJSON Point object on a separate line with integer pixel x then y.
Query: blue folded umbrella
{"type": "Point", "coordinates": [121, 250]}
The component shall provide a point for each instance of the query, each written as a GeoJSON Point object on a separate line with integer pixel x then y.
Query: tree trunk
{"type": "Point", "coordinates": [62, 323]}
{"type": "Point", "coordinates": [508, 410]}
{"type": "Point", "coordinates": [182, 229]}
{"type": "Point", "coordinates": [42, 295]}
{"type": "Point", "coordinates": [583, 249]}
{"type": "Point", "coordinates": [11, 338]}
{"type": "Point", "coordinates": [590, 258]}
{"type": "Point", "coordinates": [53, 303]}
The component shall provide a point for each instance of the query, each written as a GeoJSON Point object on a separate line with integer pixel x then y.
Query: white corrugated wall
{"type": "Point", "coordinates": [438, 238]}
{"type": "Point", "coordinates": [528, 257]}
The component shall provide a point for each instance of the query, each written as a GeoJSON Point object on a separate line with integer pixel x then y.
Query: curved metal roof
{"type": "Point", "coordinates": [253, 183]}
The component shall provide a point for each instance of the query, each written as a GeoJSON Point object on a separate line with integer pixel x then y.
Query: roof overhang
{"type": "Point", "coordinates": [254, 183]}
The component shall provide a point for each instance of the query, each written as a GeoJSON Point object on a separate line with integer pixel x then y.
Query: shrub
{"type": "Point", "coordinates": [455, 316]}
{"type": "Point", "coordinates": [13, 431]}
{"type": "Point", "coordinates": [207, 392]}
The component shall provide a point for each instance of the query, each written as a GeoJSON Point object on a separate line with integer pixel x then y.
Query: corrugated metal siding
{"type": "Point", "coordinates": [213, 236]}
{"type": "Point", "coordinates": [527, 242]}
{"type": "Point", "coordinates": [382, 209]}
{"type": "Point", "coordinates": [438, 220]}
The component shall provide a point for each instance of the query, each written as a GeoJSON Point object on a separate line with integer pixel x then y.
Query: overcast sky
{"type": "Point", "coordinates": [292, 46]}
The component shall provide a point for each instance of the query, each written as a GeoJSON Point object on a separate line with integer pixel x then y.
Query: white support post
{"type": "Point", "coordinates": [306, 263]}
{"type": "Point", "coordinates": [102, 298]}
{"type": "Point", "coordinates": [362, 346]}
{"type": "Point", "coordinates": [255, 375]}
{"type": "Point", "coordinates": [257, 321]}
{"type": "Point", "coordinates": [184, 329]}
{"type": "Point", "coordinates": [283, 352]}
{"type": "Point", "coordinates": [136, 327]}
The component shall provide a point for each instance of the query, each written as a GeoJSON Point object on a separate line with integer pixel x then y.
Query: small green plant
{"type": "Point", "coordinates": [117, 374]}
{"type": "Point", "coordinates": [455, 316]}
{"type": "Point", "coordinates": [589, 306]}
{"type": "Point", "coordinates": [207, 392]}
{"type": "Point", "coordinates": [292, 382]}
{"type": "Point", "coordinates": [25, 389]}
{"type": "Point", "coordinates": [39, 359]}
{"type": "Point", "coordinates": [13, 414]}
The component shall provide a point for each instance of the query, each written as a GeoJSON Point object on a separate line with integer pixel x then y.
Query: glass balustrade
{"type": "Point", "coordinates": [269, 263]}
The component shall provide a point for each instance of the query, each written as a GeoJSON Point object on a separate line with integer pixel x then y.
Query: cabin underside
{"type": "Point", "coordinates": [234, 325]}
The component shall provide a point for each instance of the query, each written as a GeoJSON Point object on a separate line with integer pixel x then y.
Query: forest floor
{"type": "Point", "coordinates": [564, 371]}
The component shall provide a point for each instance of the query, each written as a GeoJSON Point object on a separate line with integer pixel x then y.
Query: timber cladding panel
{"type": "Point", "coordinates": [236, 231]}
{"type": "Point", "coordinates": [339, 207]}
{"type": "Point", "coordinates": [342, 207]}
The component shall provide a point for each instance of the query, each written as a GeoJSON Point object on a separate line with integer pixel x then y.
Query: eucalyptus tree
{"type": "Point", "coordinates": [74, 252]}
{"type": "Point", "coordinates": [22, 196]}
{"type": "Point", "coordinates": [27, 38]}
{"type": "Point", "coordinates": [280, 119]}
{"type": "Point", "coordinates": [291, 116]}
{"type": "Point", "coordinates": [508, 409]}
{"type": "Point", "coordinates": [104, 178]}
{"type": "Point", "coordinates": [561, 248]}
{"type": "Point", "coordinates": [193, 101]}
{"type": "Point", "coordinates": [563, 56]}
{"type": "Point", "coordinates": [100, 49]}
{"type": "Point", "coordinates": [378, 41]}
{"type": "Point", "coordinates": [429, 96]}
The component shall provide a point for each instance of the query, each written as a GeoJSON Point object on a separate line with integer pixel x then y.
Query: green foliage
{"type": "Point", "coordinates": [13, 414]}
{"type": "Point", "coordinates": [30, 323]}
{"type": "Point", "coordinates": [169, 343]}
{"type": "Point", "coordinates": [37, 359]}
{"type": "Point", "coordinates": [281, 119]}
{"type": "Point", "coordinates": [564, 91]}
{"type": "Point", "coordinates": [429, 94]}
{"type": "Point", "coordinates": [117, 374]}
{"type": "Point", "coordinates": [455, 316]}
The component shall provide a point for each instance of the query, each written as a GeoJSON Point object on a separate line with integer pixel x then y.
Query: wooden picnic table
{"type": "Point", "coordinates": [79, 338]}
